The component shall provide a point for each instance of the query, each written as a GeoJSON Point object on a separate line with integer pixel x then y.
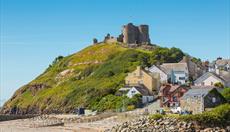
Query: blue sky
{"type": "Point", "coordinates": [34, 32]}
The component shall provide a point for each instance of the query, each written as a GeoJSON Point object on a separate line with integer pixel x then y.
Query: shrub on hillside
{"type": "Point", "coordinates": [130, 107]}
{"type": "Point", "coordinates": [117, 103]}
{"type": "Point", "coordinates": [166, 55]}
{"type": "Point", "coordinates": [226, 94]}
{"type": "Point", "coordinates": [219, 85]}
{"type": "Point", "coordinates": [156, 116]}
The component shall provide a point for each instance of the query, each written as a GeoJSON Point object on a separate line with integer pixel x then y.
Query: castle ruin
{"type": "Point", "coordinates": [131, 34]}
{"type": "Point", "coordinates": [135, 34]}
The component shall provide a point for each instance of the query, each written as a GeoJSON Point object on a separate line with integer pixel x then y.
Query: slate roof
{"type": "Point", "coordinates": [144, 91]}
{"type": "Point", "coordinates": [172, 87]}
{"type": "Point", "coordinates": [225, 75]}
{"type": "Point", "coordinates": [140, 88]}
{"type": "Point", "coordinates": [160, 68]}
{"type": "Point", "coordinates": [222, 62]}
{"type": "Point", "coordinates": [200, 91]}
{"type": "Point", "coordinates": [125, 89]}
{"type": "Point", "coordinates": [175, 67]}
{"type": "Point", "coordinates": [208, 74]}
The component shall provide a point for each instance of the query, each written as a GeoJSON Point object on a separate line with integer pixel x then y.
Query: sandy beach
{"type": "Point", "coordinates": [28, 125]}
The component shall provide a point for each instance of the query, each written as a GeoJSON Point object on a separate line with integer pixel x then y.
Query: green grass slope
{"type": "Point", "coordinates": [84, 78]}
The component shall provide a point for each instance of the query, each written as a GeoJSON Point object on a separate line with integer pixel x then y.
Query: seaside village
{"type": "Point", "coordinates": [184, 87]}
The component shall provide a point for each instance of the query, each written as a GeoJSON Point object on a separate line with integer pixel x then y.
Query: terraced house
{"type": "Point", "coordinates": [143, 77]}
{"type": "Point", "coordinates": [201, 98]}
{"type": "Point", "coordinates": [211, 78]}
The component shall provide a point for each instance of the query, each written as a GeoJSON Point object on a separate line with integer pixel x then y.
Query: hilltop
{"type": "Point", "coordinates": [85, 78]}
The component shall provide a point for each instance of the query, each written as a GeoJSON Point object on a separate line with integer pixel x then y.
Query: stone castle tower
{"type": "Point", "coordinates": [135, 34]}
{"type": "Point", "coordinates": [130, 34]}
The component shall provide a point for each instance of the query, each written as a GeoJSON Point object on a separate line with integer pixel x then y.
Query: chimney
{"type": "Point", "coordinates": [139, 70]}
{"type": "Point", "coordinates": [217, 71]}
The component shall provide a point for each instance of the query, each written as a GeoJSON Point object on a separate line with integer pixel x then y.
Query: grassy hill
{"type": "Point", "coordinates": [85, 79]}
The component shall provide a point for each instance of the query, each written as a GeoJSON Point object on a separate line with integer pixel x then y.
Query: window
{"type": "Point", "coordinates": [141, 82]}
{"type": "Point", "coordinates": [174, 98]}
{"type": "Point", "coordinates": [211, 83]}
{"type": "Point", "coordinates": [132, 91]}
{"type": "Point", "coordinates": [213, 100]}
{"type": "Point", "coordinates": [181, 78]}
{"type": "Point", "coordinates": [202, 83]}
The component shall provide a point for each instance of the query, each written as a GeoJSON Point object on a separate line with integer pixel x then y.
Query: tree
{"type": "Point", "coordinates": [57, 59]}
{"type": "Point", "coordinates": [226, 94]}
{"type": "Point", "coordinates": [219, 85]}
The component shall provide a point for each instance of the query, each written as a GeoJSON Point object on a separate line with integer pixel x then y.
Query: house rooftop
{"type": "Point", "coordinates": [144, 91]}
{"type": "Point", "coordinates": [172, 87]}
{"type": "Point", "coordinates": [223, 77]}
{"type": "Point", "coordinates": [223, 62]}
{"type": "Point", "coordinates": [168, 67]}
{"type": "Point", "coordinates": [199, 91]}
{"type": "Point", "coordinates": [140, 88]}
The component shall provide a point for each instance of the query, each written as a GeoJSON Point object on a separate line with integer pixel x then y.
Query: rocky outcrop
{"type": "Point", "coordinates": [164, 125]}
{"type": "Point", "coordinates": [34, 88]}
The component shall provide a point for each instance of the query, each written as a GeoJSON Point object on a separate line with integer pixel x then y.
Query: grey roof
{"type": "Point", "coordinates": [199, 91]}
{"type": "Point", "coordinates": [225, 75]}
{"type": "Point", "coordinates": [222, 62]}
{"type": "Point", "coordinates": [125, 89]}
{"type": "Point", "coordinates": [207, 75]}
{"type": "Point", "coordinates": [144, 91]}
{"type": "Point", "coordinates": [160, 68]}
{"type": "Point", "coordinates": [175, 67]}
{"type": "Point", "coordinates": [140, 88]}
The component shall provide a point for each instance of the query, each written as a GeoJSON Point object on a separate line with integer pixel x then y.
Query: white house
{"type": "Point", "coordinates": [177, 72]}
{"type": "Point", "coordinates": [179, 77]}
{"type": "Point", "coordinates": [210, 78]}
{"type": "Point", "coordinates": [146, 95]}
{"type": "Point", "coordinates": [158, 70]}
{"type": "Point", "coordinates": [219, 65]}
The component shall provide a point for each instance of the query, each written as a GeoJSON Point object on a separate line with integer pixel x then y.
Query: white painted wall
{"type": "Point", "coordinates": [156, 70]}
{"type": "Point", "coordinates": [145, 99]}
{"type": "Point", "coordinates": [132, 92]}
{"type": "Point", "coordinates": [209, 81]}
{"type": "Point", "coordinates": [180, 75]}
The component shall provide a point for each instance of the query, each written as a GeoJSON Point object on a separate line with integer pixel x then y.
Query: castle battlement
{"type": "Point", "coordinates": [131, 34]}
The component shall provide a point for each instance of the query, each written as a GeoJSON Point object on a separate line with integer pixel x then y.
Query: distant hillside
{"type": "Point", "coordinates": [84, 78]}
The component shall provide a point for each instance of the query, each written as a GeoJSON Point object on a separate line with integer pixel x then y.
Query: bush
{"type": "Point", "coordinates": [219, 85]}
{"type": "Point", "coordinates": [156, 116]}
{"type": "Point", "coordinates": [226, 94]}
{"type": "Point", "coordinates": [57, 59]}
{"type": "Point", "coordinates": [130, 107]}
{"type": "Point", "coordinates": [169, 55]}
{"type": "Point", "coordinates": [136, 100]}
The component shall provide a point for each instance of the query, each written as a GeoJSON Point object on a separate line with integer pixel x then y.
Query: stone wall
{"type": "Point", "coordinates": [165, 125]}
{"type": "Point", "coordinates": [194, 104]}
{"type": "Point", "coordinates": [135, 34]}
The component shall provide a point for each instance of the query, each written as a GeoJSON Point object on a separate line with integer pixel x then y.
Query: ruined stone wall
{"type": "Point", "coordinates": [135, 35]}
{"type": "Point", "coordinates": [111, 40]}
{"type": "Point", "coordinates": [144, 34]}
{"type": "Point", "coordinates": [130, 33]}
